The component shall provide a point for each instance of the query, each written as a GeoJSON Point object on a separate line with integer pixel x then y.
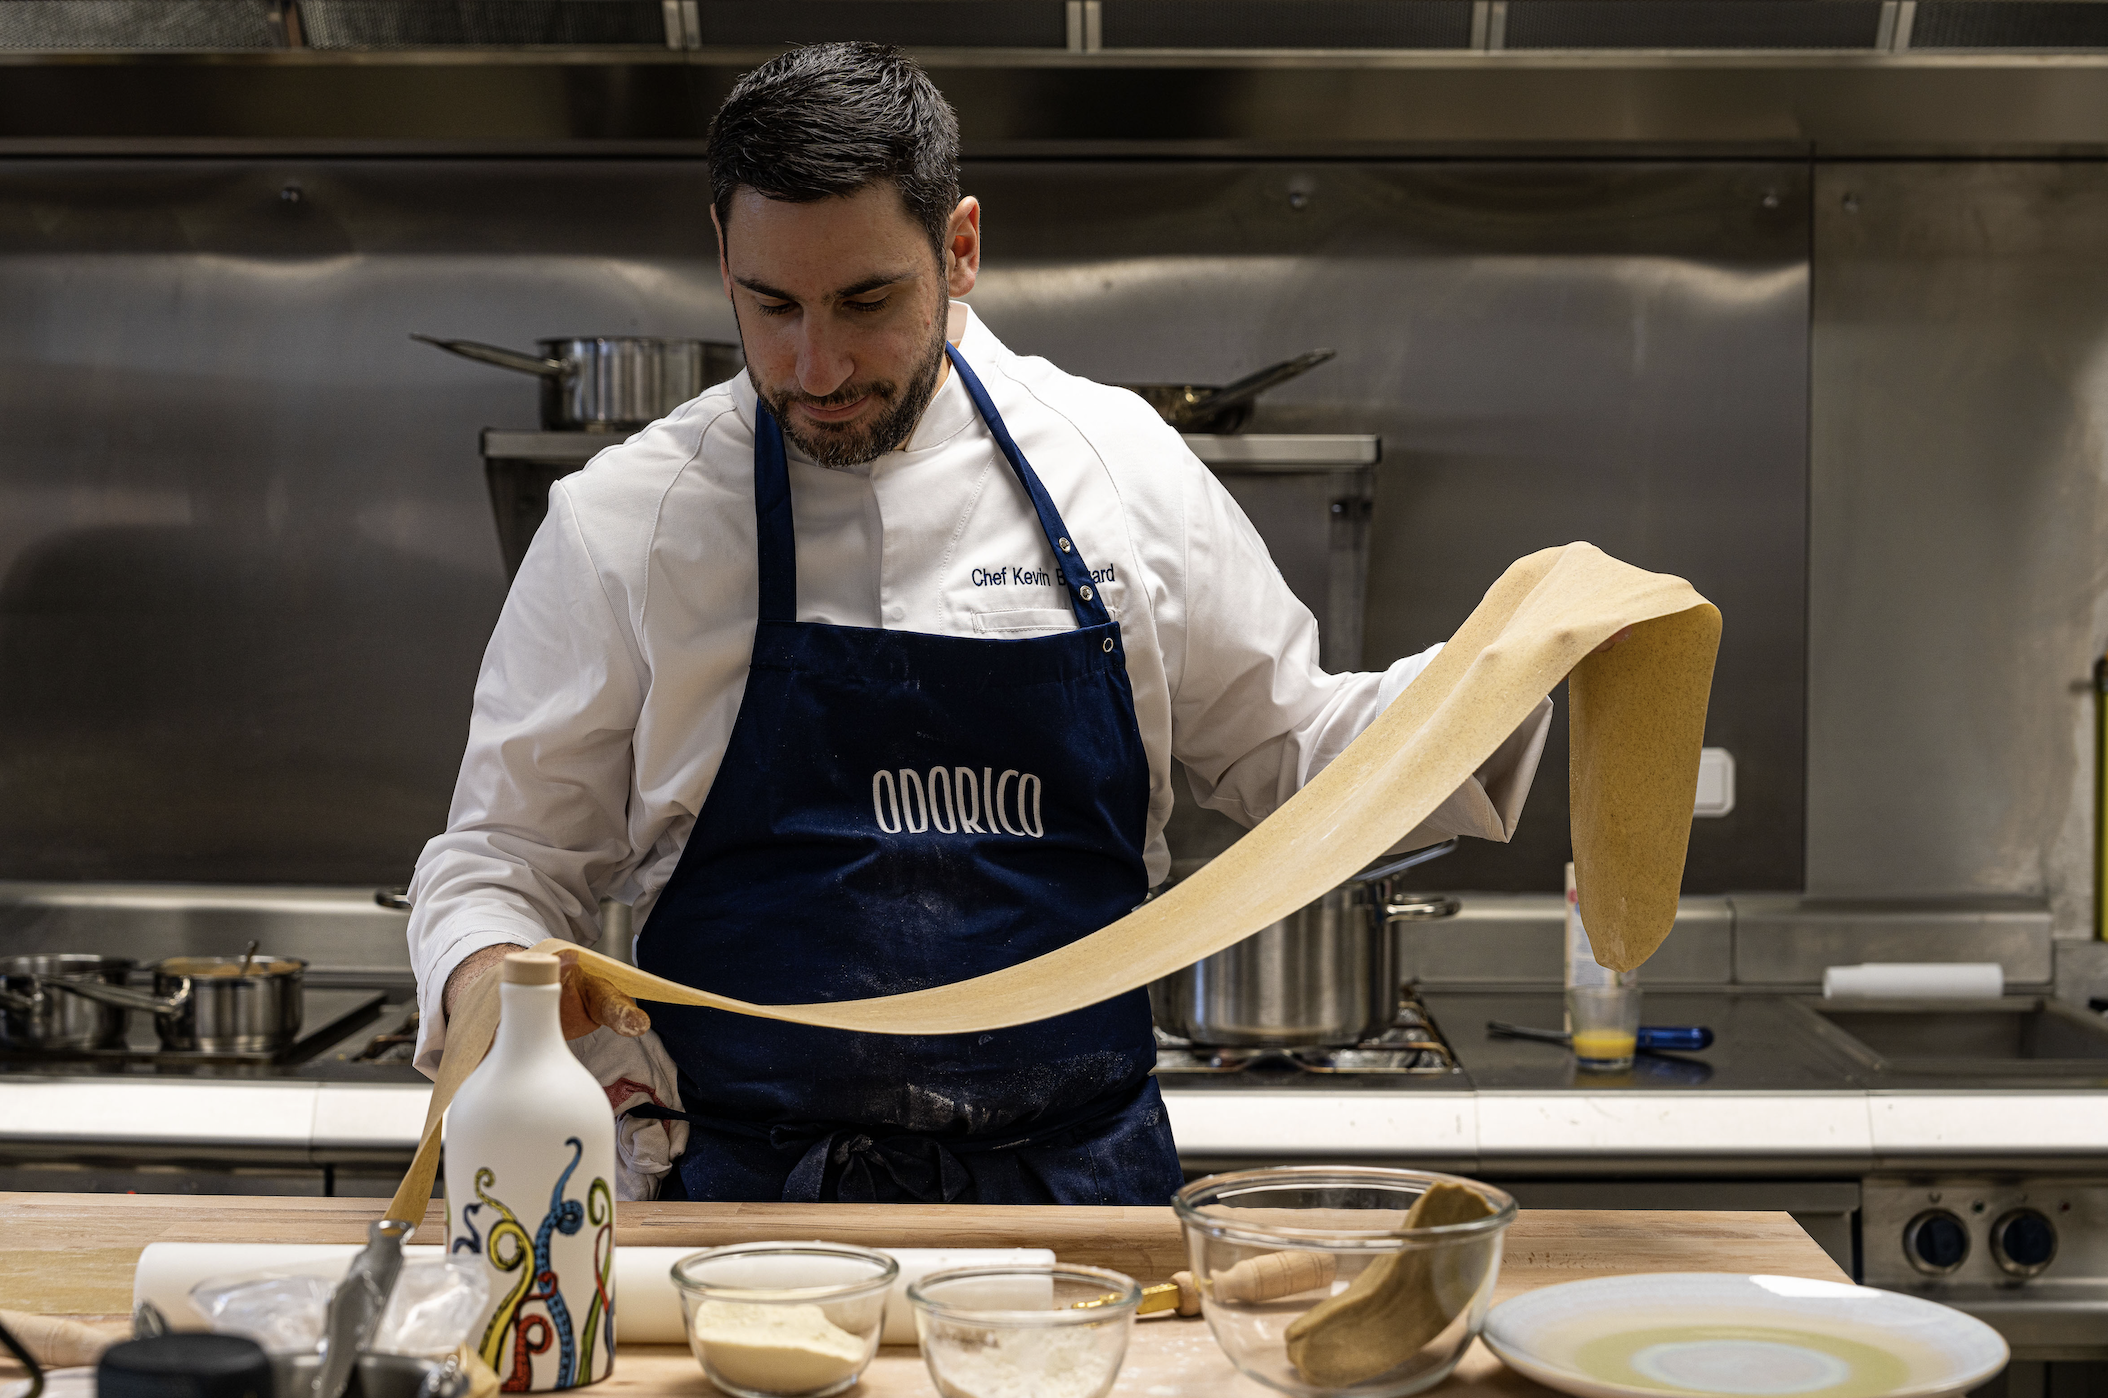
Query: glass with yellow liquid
{"type": "Point", "coordinates": [1605, 1021]}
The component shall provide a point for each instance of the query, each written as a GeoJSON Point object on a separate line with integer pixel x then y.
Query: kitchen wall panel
{"type": "Point", "coordinates": [1610, 352]}
{"type": "Point", "coordinates": [246, 562]}
{"type": "Point", "coordinates": [1959, 530]}
{"type": "Point", "coordinates": [247, 565]}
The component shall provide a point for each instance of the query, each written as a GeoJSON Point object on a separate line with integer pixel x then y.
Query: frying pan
{"type": "Point", "coordinates": [1207, 408]}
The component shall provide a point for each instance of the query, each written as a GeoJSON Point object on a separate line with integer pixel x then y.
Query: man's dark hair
{"type": "Point", "coordinates": [827, 120]}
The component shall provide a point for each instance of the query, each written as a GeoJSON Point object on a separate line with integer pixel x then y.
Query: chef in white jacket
{"type": "Point", "coordinates": [864, 671]}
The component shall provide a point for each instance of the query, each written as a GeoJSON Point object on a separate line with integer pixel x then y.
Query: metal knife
{"type": "Point", "coordinates": [355, 1307]}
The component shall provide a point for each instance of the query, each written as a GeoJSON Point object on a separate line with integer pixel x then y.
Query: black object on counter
{"type": "Point", "coordinates": [185, 1366]}
{"type": "Point", "coordinates": [27, 1360]}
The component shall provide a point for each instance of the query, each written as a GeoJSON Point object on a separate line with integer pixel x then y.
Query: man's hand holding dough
{"type": "Point", "coordinates": [587, 1004]}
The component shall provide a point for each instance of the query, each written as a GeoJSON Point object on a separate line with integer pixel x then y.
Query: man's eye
{"type": "Point", "coordinates": [776, 308]}
{"type": "Point", "coordinates": [879, 304]}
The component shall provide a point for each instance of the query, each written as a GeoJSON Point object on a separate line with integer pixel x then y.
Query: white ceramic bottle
{"type": "Point", "coordinates": [530, 1166]}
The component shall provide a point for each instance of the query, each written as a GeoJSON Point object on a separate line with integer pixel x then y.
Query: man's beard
{"type": "Point", "coordinates": [854, 443]}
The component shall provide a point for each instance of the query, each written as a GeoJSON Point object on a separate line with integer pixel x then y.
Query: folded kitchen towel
{"type": "Point", "coordinates": [1956, 980]}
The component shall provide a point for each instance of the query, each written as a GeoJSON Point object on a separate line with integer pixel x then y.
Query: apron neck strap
{"type": "Point", "coordinates": [1083, 594]}
{"type": "Point", "coordinates": [776, 544]}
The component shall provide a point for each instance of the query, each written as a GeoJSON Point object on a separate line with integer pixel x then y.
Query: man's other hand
{"type": "Point", "coordinates": [590, 1002]}
{"type": "Point", "coordinates": [587, 1003]}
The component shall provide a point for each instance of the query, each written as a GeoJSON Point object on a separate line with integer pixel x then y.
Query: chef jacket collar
{"type": "Point", "coordinates": [951, 410]}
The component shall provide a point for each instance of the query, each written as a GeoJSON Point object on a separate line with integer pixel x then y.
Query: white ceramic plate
{"type": "Point", "coordinates": [1721, 1333]}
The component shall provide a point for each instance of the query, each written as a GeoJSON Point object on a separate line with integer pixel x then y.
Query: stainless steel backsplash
{"type": "Point", "coordinates": [247, 566]}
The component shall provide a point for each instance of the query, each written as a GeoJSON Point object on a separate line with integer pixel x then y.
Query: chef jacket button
{"type": "Point", "coordinates": [897, 613]}
{"type": "Point", "coordinates": [1065, 547]}
{"type": "Point", "coordinates": [1086, 592]}
{"type": "Point", "coordinates": [1108, 646]}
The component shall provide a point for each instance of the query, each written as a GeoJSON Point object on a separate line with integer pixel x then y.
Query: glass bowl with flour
{"type": "Point", "coordinates": [1325, 1281]}
{"type": "Point", "coordinates": [784, 1320]}
{"type": "Point", "coordinates": [1024, 1331]}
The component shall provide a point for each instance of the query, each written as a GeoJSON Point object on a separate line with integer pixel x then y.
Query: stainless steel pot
{"type": "Point", "coordinates": [1324, 976]}
{"type": "Point", "coordinates": [214, 1004]}
{"type": "Point", "coordinates": [213, 1007]}
{"type": "Point", "coordinates": [609, 383]}
{"type": "Point", "coordinates": [43, 1010]}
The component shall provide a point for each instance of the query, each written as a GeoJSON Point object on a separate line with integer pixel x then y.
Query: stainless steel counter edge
{"type": "Point", "coordinates": [334, 1121]}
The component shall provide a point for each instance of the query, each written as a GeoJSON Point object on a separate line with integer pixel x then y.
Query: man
{"type": "Point", "coordinates": [864, 673]}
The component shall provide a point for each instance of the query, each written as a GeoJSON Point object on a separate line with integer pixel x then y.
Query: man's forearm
{"type": "Point", "coordinates": [470, 971]}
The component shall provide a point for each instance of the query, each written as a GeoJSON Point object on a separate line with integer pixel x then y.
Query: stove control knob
{"type": "Point", "coordinates": [1936, 1242]}
{"type": "Point", "coordinates": [2023, 1241]}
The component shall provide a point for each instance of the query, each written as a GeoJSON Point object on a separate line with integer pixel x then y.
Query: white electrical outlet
{"type": "Point", "coordinates": [1716, 782]}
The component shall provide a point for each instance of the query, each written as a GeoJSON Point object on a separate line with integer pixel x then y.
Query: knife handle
{"type": "Point", "coordinates": [1675, 1037]}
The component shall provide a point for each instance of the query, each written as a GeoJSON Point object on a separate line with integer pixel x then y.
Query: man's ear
{"type": "Point", "coordinates": [962, 247]}
{"type": "Point", "coordinates": [724, 270]}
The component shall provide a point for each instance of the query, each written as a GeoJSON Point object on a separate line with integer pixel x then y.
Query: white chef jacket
{"type": "Point", "coordinates": [609, 690]}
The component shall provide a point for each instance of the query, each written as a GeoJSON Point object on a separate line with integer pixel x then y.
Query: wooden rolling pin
{"type": "Point", "coordinates": [1267, 1277]}
{"type": "Point", "coordinates": [56, 1343]}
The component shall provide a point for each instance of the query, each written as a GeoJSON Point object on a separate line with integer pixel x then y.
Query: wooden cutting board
{"type": "Point", "coordinates": [72, 1254]}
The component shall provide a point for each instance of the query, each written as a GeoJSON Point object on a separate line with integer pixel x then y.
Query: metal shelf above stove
{"type": "Point", "coordinates": [1269, 453]}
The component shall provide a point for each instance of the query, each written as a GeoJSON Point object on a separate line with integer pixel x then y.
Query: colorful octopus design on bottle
{"type": "Point", "coordinates": [536, 1314]}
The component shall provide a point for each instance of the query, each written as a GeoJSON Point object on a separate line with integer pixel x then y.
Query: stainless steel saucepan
{"type": "Point", "coordinates": [609, 383]}
{"type": "Point", "coordinates": [229, 1004]}
{"type": "Point", "coordinates": [44, 1010]}
{"type": "Point", "coordinates": [200, 1004]}
{"type": "Point", "coordinates": [1324, 976]}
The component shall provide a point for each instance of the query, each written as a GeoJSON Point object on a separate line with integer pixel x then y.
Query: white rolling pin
{"type": "Point", "coordinates": [647, 1308]}
{"type": "Point", "coordinates": [1943, 980]}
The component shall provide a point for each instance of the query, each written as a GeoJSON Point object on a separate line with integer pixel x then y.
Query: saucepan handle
{"type": "Point", "coordinates": [494, 354]}
{"type": "Point", "coordinates": [1423, 908]}
{"type": "Point", "coordinates": [1405, 862]}
{"type": "Point", "coordinates": [123, 997]}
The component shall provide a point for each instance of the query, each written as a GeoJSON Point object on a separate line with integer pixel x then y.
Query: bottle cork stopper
{"type": "Point", "coordinates": [532, 968]}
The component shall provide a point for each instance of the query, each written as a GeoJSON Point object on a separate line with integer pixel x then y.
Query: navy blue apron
{"type": "Point", "coordinates": [897, 810]}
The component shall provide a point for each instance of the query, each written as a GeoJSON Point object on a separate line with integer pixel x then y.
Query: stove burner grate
{"type": "Point", "coordinates": [1411, 1045]}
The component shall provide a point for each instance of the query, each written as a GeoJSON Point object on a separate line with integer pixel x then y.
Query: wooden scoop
{"type": "Point", "coordinates": [57, 1343]}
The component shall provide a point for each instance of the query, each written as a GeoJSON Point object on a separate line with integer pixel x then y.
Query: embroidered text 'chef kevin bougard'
{"type": "Point", "coordinates": [952, 799]}
{"type": "Point", "coordinates": [1023, 575]}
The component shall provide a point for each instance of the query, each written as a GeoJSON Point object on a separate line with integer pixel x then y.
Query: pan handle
{"type": "Point", "coordinates": [1405, 862]}
{"type": "Point", "coordinates": [25, 1003]}
{"type": "Point", "coordinates": [122, 997]}
{"type": "Point", "coordinates": [503, 358]}
{"type": "Point", "coordinates": [1252, 385]}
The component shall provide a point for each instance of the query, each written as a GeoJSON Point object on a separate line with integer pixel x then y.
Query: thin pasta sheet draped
{"type": "Point", "coordinates": [1636, 718]}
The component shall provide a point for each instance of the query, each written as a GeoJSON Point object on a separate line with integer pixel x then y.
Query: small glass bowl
{"type": "Point", "coordinates": [1417, 1316]}
{"type": "Point", "coordinates": [1024, 1328]}
{"type": "Point", "coordinates": [784, 1320]}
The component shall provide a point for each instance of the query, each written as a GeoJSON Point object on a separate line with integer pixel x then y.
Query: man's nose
{"type": "Point", "coordinates": [824, 363]}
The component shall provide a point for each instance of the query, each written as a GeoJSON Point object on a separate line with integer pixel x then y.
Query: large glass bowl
{"type": "Point", "coordinates": [1028, 1328]}
{"type": "Point", "coordinates": [784, 1320]}
{"type": "Point", "coordinates": [1401, 1304]}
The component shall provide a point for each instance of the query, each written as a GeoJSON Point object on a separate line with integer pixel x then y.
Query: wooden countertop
{"type": "Point", "coordinates": [72, 1254]}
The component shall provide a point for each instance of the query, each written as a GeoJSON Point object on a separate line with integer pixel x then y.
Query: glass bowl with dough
{"type": "Point", "coordinates": [1024, 1331]}
{"type": "Point", "coordinates": [1320, 1280]}
{"type": "Point", "coordinates": [784, 1320]}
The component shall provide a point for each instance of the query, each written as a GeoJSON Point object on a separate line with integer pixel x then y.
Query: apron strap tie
{"type": "Point", "coordinates": [919, 1167]}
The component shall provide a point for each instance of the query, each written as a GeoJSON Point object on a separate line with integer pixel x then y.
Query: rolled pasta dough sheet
{"type": "Point", "coordinates": [1636, 722]}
